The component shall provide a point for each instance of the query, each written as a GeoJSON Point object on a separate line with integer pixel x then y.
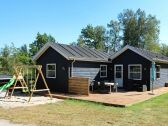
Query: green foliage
{"type": "Point", "coordinates": [140, 30]}
{"type": "Point", "coordinates": [133, 28]}
{"type": "Point", "coordinates": [40, 41]}
{"type": "Point", "coordinates": [73, 44]}
{"type": "Point", "coordinates": [114, 38]}
{"type": "Point", "coordinates": [164, 49]}
{"type": "Point", "coordinates": [23, 55]}
{"type": "Point", "coordinates": [5, 53]}
{"type": "Point", "coordinates": [93, 37]}
{"type": "Point", "coordinates": [9, 58]}
{"type": "Point", "coordinates": [80, 41]}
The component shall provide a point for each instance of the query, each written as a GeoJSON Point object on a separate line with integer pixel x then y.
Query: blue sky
{"type": "Point", "coordinates": [20, 20]}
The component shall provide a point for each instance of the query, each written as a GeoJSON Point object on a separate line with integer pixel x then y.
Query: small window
{"type": "Point", "coordinates": [118, 71]}
{"type": "Point", "coordinates": [51, 71]}
{"type": "Point", "coordinates": [135, 72]}
{"type": "Point", "coordinates": [103, 70]}
{"type": "Point", "coordinates": [157, 71]}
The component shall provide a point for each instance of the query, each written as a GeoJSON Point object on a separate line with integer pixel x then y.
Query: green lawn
{"type": "Point", "coordinates": [153, 112]}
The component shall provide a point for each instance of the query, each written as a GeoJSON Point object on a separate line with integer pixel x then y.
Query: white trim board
{"type": "Point", "coordinates": [51, 70]}
{"type": "Point", "coordinates": [122, 72]}
{"type": "Point", "coordinates": [44, 48]}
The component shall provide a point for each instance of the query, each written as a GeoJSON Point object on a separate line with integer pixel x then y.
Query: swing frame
{"type": "Point", "coordinates": [24, 85]}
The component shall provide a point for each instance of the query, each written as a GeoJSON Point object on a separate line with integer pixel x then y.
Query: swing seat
{"type": "Point", "coordinates": [19, 87]}
{"type": "Point", "coordinates": [20, 77]}
{"type": "Point", "coordinates": [39, 90]}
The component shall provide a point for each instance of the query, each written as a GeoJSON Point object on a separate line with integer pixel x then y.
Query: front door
{"type": "Point", "coordinates": [118, 75]}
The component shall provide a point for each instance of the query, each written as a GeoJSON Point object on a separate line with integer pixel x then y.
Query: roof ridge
{"type": "Point", "coordinates": [85, 53]}
{"type": "Point", "coordinates": [151, 51]}
{"type": "Point", "coordinates": [150, 54]}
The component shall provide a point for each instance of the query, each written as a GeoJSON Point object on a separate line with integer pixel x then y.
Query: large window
{"type": "Point", "coordinates": [51, 70]}
{"type": "Point", "coordinates": [103, 70]}
{"type": "Point", "coordinates": [157, 71]}
{"type": "Point", "coordinates": [135, 71]}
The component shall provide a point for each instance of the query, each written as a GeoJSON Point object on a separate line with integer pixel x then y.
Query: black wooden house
{"type": "Point", "coordinates": [60, 61]}
{"type": "Point", "coordinates": [130, 67]}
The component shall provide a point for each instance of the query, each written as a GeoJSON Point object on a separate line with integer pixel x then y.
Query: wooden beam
{"type": "Point", "coordinates": [40, 90]}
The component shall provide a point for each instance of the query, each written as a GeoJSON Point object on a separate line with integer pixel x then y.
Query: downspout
{"type": "Point", "coordinates": [153, 74]}
{"type": "Point", "coordinates": [72, 65]}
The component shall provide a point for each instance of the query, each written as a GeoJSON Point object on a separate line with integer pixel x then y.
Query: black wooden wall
{"type": "Point", "coordinates": [63, 70]}
{"type": "Point", "coordinates": [92, 70]}
{"type": "Point", "coordinates": [130, 57]}
{"type": "Point", "coordinates": [60, 83]}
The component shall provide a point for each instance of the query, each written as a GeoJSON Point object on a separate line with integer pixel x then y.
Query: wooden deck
{"type": "Point", "coordinates": [120, 99]}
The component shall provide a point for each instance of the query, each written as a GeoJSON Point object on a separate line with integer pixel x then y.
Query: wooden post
{"type": "Point", "coordinates": [40, 70]}
{"type": "Point", "coordinates": [20, 78]}
{"type": "Point", "coordinates": [33, 87]}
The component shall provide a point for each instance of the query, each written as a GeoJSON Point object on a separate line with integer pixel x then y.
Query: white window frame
{"type": "Point", "coordinates": [50, 70]}
{"type": "Point", "coordinates": [135, 72]}
{"type": "Point", "coordinates": [157, 72]}
{"type": "Point", "coordinates": [121, 65]}
{"type": "Point", "coordinates": [103, 71]}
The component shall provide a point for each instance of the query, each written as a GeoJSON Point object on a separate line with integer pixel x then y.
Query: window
{"type": "Point", "coordinates": [118, 71]}
{"type": "Point", "coordinates": [103, 70]}
{"type": "Point", "coordinates": [51, 71]}
{"type": "Point", "coordinates": [135, 72]}
{"type": "Point", "coordinates": [157, 71]}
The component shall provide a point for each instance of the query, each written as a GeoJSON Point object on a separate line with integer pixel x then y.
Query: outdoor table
{"type": "Point", "coordinates": [111, 84]}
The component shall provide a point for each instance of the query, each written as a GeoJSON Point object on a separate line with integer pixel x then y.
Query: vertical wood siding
{"type": "Point", "coordinates": [130, 57]}
{"type": "Point", "coordinates": [79, 85]}
{"type": "Point", "coordinates": [163, 76]}
{"type": "Point", "coordinates": [60, 83]}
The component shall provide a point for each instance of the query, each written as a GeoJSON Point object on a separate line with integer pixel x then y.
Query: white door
{"type": "Point", "coordinates": [118, 75]}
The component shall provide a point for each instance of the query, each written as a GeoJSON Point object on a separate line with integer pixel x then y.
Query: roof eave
{"type": "Point", "coordinates": [160, 60]}
{"type": "Point", "coordinates": [44, 48]}
{"type": "Point", "coordinates": [41, 51]}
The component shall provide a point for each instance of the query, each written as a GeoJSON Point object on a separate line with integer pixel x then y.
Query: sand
{"type": "Point", "coordinates": [8, 123]}
{"type": "Point", "coordinates": [21, 100]}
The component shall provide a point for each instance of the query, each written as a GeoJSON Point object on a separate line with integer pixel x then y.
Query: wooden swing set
{"type": "Point", "coordinates": [28, 76]}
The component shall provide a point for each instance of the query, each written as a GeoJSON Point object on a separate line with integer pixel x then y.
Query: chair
{"type": "Point", "coordinates": [115, 86]}
{"type": "Point", "coordinates": [92, 84]}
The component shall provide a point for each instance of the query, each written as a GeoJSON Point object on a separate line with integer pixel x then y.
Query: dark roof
{"type": "Point", "coordinates": [156, 57]}
{"type": "Point", "coordinates": [151, 55]}
{"type": "Point", "coordinates": [75, 53]}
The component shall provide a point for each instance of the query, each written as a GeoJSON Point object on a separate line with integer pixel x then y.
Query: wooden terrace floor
{"type": "Point", "coordinates": [120, 99]}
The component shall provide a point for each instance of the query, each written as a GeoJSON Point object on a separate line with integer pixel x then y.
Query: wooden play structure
{"type": "Point", "coordinates": [26, 78]}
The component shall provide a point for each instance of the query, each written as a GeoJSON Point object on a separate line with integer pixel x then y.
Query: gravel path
{"type": "Point", "coordinates": [4, 122]}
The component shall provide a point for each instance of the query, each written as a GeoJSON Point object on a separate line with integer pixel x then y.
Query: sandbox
{"type": "Point", "coordinates": [21, 100]}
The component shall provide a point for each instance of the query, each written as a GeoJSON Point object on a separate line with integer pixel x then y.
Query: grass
{"type": "Point", "coordinates": [153, 112]}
